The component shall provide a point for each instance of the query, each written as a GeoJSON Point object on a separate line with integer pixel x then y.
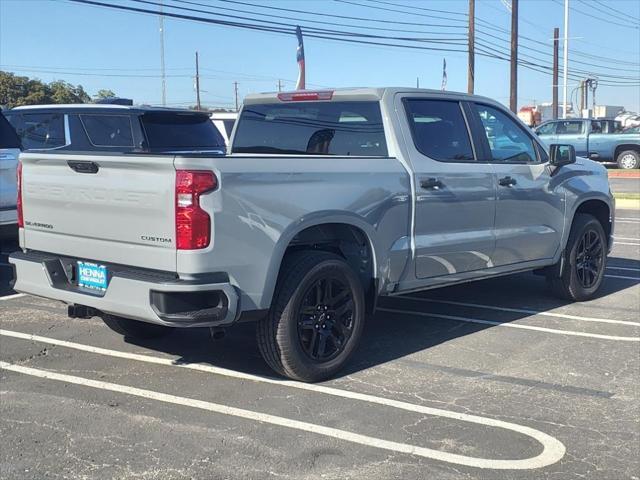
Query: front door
{"type": "Point", "coordinates": [574, 133]}
{"type": "Point", "coordinates": [529, 210]}
{"type": "Point", "coordinates": [454, 193]}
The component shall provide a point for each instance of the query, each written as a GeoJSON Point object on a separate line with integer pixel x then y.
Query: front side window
{"type": "Point", "coordinates": [439, 129]}
{"type": "Point", "coordinates": [42, 131]}
{"type": "Point", "coordinates": [507, 140]}
{"type": "Point", "coordinates": [312, 128]}
{"type": "Point", "coordinates": [569, 127]}
{"type": "Point", "coordinates": [108, 130]}
{"type": "Point", "coordinates": [547, 129]}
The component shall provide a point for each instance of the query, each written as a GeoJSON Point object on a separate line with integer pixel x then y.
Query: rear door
{"type": "Point", "coordinates": [9, 150]}
{"type": "Point", "coordinates": [454, 191]}
{"type": "Point", "coordinates": [529, 211]}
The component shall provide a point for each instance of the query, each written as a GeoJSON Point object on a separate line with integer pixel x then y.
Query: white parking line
{"type": "Point", "coordinates": [626, 243]}
{"type": "Point", "coordinates": [635, 219]}
{"type": "Point", "coordinates": [627, 221]}
{"type": "Point", "coordinates": [11, 297]}
{"type": "Point", "coordinates": [553, 450]}
{"type": "Point", "coordinates": [522, 310]}
{"type": "Point", "coordinates": [635, 239]}
{"type": "Point", "coordinates": [514, 325]}
{"type": "Point", "coordinates": [623, 277]}
{"type": "Point", "coordinates": [624, 268]}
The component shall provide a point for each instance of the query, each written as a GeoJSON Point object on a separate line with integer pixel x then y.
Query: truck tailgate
{"type": "Point", "coordinates": [122, 213]}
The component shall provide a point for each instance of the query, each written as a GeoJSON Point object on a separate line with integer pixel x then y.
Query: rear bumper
{"type": "Point", "coordinates": [149, 296]}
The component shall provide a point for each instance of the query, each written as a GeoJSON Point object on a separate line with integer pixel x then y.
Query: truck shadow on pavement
{"type": "Point", "coordinates": [390, 336]}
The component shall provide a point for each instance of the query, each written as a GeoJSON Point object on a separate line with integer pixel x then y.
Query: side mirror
{"type": "Point", "coordinates": [560, 155]}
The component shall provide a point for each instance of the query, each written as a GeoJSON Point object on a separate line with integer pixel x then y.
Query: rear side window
{"type": "Point", "coordinates": [108, 130]}
{"type": "Point", "coordinates": [180, 131]}
{"type": "Point", "coordinates": [312, 128]}
{"type": "Point", "coordinates": [42, 131]}
{"type": "Point", "coordinates": [228, 126]}
{"type": "Point", "coordinates": [8, 136]}
{"type": "Point", "coordinates": [439, 129]}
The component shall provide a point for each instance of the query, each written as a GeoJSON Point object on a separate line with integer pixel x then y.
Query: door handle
{"type": "Point", "coordinates": [83, 167]}
{"type": "Point", "coordinates": [431, 184]}
{"type": "Point", "coordinates": [507, 181]}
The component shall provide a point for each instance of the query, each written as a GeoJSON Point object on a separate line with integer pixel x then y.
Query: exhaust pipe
{"type": "Point", "coordinates": [217, 333]}
{"type": "Point", "coordinates": [81, 311]}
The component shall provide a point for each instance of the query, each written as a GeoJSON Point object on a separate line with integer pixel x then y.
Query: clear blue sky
{"type": "Point", "coordinates": [103, 48]}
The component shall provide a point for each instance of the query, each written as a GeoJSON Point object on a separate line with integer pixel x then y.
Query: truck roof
{"type": "Point", "coordinates": [101, 107]}
{"type": "Point", "coordinates": [358, 94]}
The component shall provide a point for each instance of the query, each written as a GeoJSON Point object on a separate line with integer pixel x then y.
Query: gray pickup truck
{"type": "Point", "coordinates": [328, 201]}
{"type": "Point", "coordinates": [597, 139]}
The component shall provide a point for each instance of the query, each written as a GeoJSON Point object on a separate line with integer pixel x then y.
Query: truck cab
{"type": "Point", "coordinates": [598, 139]}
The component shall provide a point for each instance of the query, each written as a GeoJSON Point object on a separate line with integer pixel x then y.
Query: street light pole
{"type": "Point", "coordinates": [565, 59]}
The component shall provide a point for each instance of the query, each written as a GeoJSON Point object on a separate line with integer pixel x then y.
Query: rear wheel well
{"type": "Point", "coordinates": [600, 210]}
{"type": "Point", "coordinates": [621, 148]}
{"type": "Point", "coordinates": [348, 241]}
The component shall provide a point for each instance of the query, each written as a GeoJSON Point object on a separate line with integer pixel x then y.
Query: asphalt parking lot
{"type": "Point", "coordinates": [491, 380]}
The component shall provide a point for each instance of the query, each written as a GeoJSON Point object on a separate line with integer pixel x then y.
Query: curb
{"type": "Point", "coordinates": [628, 203]}
{"type": "Point", "coordinates": [623, 174]}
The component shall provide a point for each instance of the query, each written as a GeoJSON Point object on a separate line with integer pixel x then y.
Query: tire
{"type": "Point", "coordinates": [583, 270]}
{"type": "Point", "coordinates": [291, 336]}
{"type": "Point", "coordinates": [628, 160]}
{"type": "Point", "coordinates": [134, 328]}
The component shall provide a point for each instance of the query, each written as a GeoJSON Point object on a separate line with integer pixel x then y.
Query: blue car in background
{"type": "Point", "coordinates": [598, 139]}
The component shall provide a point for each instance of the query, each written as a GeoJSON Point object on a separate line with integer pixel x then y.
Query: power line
{"type": "Point", "coordinates": [341, 36]}
{"type": "Point", "coordinates": [461, 36]}
{"type": "Point", "coordinates": [608, 10]}
{"type": "Point", "coordinates": [490, 26]}
{"type": "Point", "coordinates": [213, 11]}
{"type": "Point", "coordinates": [612, 9]}
{"type": "Point", "coordinates": [587, 14]}
{"type": "Point", "coordinates": [314, 33]}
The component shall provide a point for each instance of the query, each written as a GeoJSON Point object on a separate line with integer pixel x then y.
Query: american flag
{"type": "Point", "coordinates": [444, 73]}
{"type": "Point", "coordinates": [300, 57]}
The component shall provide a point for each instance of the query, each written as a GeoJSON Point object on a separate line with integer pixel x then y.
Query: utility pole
{"type": "Point", "coordinates": [279, 85]}
{"type": "Point", "coordinates": [583, 97]}
{"type": "Point", "coordinates": [417, 82]}
{"type": "Point", "coordinates": [472, 47]}
{"type": "Point", "coordinates": [513, 98]}
{"type": "Point", "coordinates": [565, 59]}
{"type": "Point", "coordinates": [556, 44]}
{"type": "Point", "coordinates": [198, 106]}
{"type": "Point", "coordinates": [162, 69]}
{"type": "Point", "coordinates": [235, 89]}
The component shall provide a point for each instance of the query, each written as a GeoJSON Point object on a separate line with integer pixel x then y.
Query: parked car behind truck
{"type": "Point", "coordinates": [598, 139]}
{"type": "Point", "coordinates": [9, 151]}
{"type": "Point", "coordinates": [328, 201]}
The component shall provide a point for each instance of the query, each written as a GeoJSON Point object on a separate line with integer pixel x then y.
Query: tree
{"type": "Point", "coordinates": [16, 90]}
{"type": "Point", "coordinates": [105, 94]}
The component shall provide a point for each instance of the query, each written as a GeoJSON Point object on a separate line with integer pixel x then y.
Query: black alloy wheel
{"type": "Point", "coordinates": [326, 318]}
{"type": "Point", "coordinates": [589, 257]}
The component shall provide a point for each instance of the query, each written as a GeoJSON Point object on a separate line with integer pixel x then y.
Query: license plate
{"type": "Point", "coordinates": [92, 275]}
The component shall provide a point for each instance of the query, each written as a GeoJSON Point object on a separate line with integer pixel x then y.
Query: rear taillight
{"type": "Point", "coordinates": [19, 198]}
{"type": "Point", "coordinates": [193, 224]}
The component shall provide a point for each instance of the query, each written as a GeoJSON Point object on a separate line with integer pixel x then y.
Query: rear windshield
{"type": "Point", "coordinates": [312, 128]}
{"type": "Point", "coordinates": [180, 131]}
